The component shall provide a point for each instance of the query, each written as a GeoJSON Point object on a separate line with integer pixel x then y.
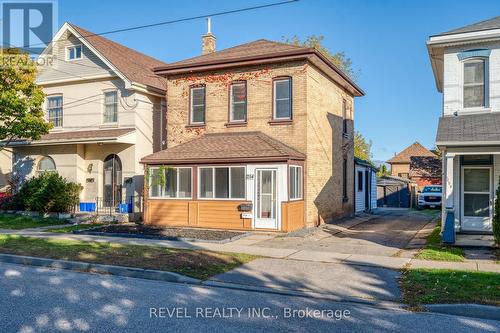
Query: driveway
{"type": "Point", "coordinates": [384, 234]}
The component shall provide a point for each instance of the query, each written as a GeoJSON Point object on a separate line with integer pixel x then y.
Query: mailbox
{"type": "Point", "coordinates": [245, 207]}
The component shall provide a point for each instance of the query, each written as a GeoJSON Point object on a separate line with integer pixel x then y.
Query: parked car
{"type": "Point", "coordinates": [430, 196]}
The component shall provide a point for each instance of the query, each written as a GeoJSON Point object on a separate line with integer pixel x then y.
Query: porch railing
{"type": "Point", "coordinates": [132, 204]}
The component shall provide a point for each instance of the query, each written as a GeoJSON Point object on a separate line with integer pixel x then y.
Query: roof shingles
{"type": "Point", "coordinates": [416, 149]}
{"type": "Point", "coordinates": [135, 66]}
{"type": "Point", "coordinates": [227, 147]}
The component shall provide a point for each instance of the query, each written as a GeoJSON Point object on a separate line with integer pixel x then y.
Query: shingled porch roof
{"type": "Point", "coordinates": [226, 148]}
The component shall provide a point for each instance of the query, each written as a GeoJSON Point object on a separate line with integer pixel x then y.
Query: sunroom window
{"type": "Point", "coordinates": [474, 83]}
{"type": "Point", "coordinates": [222, 182]}
{"type": "Point", "coordinates": [295, 182]}
{"type": "Point", "coordinates": [170, 182]}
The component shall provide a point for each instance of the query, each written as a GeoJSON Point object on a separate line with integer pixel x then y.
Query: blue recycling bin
{"type": "Point", "coordinates": [87, 206]}
{"type": "Point", "coordinates": [125, 208]}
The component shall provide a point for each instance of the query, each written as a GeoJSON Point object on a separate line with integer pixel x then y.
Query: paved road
{"type": "Point", "coordinates": [385, 235]}
{"type": "Point", "coordinates": [40, 300]}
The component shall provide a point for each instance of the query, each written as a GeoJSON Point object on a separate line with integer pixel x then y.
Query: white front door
{"type": "Point", "coordinates": [476, 198]}
{"type": "Point", "coordinates": [266, 203]}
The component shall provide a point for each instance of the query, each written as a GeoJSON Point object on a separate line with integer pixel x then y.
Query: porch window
{"type": "Point", "coordinates": [295, 182]}
{"type": "Point", "coordinates": [474, 83]}
{"type": "Point", "coordinates": [110, 107]}
{"type": "Point", "coordinates": [55, 110]}
{"type": "Point", "coordinates": [282, 99]}
{"type": "Point", "coordinates": [222, 182]}
{"type": "Point", "coordinates": [238, 102]}
{"type": "Point", "coordinates": [197, 107]}
{"type": "Point", "coordinates": [170, 182]}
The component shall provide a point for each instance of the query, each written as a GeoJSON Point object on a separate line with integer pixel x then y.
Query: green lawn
{"type": "Point", "coordinates": [14, 221]}
{"type": "Point", "coordinates": [200, 264]}
{"type": "Point", "coordinates": [428, 286]}
{"type": "Point", "coordinates": [71, 228]}
{"type": "Point", "coordinates": [434, 250]}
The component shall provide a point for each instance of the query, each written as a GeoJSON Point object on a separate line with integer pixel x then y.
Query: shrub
{"type": "Point", "coordinates": [496, 217]}
{"type": "Point", "coordinates": [49, 192]}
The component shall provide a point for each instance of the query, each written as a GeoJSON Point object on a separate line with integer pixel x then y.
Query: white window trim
{"type": "Point", "coordinates": [213, 182]}
{"type": "Point", "coordinates": [191, 105]}
{"type": "Point", "coordinates": [74, 47]}
{"type": "Point", "coordinates": [276, 99]}
{"type": "Point", "coordinates": [103, 122]}
{"type": "Point", "coordinates": [177, 191]}
{"type": "Point", "coordinates": [486, 106]}
{"type": "Point", "coordinates": [38, 171]}
{"type": "Point", "coordinates": [62, 108]}
{"type": "Point", "coordinates": [297, 187]}
{"type": "Point", "coordinates": [231, 102]}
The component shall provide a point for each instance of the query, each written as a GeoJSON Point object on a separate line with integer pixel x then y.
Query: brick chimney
{"type": "Point", "coordinates": [208, 40]}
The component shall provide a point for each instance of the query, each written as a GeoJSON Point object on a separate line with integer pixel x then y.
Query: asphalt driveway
{"type": "Point", "coordinates": [384, 234]}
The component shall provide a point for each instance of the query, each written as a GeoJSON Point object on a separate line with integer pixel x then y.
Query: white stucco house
{"type": "Point", "coordinates": [107, 107]}
{"type": "Point", "coordinates": [466, 65]}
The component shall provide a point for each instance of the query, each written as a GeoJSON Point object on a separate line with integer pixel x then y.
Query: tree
{"type": "Point", "coordinates": [383, 171]}
{"type": "Point", "coordinates": [21, 99]}
{"type": "Point", "coordinates": [362, 147]}
{"type": "Point", "coordinates": [339, 59]}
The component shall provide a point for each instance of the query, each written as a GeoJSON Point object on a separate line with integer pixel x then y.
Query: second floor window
{"type": "Point", "coordinates": [197, 105]}
{"type": "Point", "coordinates": [282, 99]}
{"type": "Point", "coordinates": [110, 107]}
{"type": "Point", "coordinates": [474, 83]}
{"type": "Point", "coordinates": [55, 110]}
{"type": "Point", "coordinates": [74, 52]}
{"type": "Point", "coordinates": [238, 102]}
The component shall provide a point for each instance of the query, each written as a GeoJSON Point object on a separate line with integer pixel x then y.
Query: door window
{"type": "Point", "coordinates": [476, 189]}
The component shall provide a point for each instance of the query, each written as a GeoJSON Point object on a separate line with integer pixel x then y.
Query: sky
{"type": "Point", "coordinates": [385, 40]}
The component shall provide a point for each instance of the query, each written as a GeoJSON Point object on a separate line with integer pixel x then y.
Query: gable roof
{"type": "Point", "coordinates": [416, 149]}
{"type": "Point", "coordinates": [133, 65]}
{"type": "Point", "coordinates": [261, 51]}
{"type": "Point", "coordinates": [489, 24]}
{"type": "Point", "coordinates": [226, 147]}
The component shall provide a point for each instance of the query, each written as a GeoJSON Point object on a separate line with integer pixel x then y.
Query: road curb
{"type": "Point", "coordinates": [308, 294]}
{"type": "Point", "coordinates": [466, 310]}
{"type": "Point", "coordinates": [148, 274]}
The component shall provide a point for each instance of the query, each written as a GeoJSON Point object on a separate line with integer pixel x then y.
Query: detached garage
{"type": "Point", "coordinates": [365, 186]}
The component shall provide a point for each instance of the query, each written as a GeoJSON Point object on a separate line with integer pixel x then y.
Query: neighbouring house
{"type": "Point", "coordinates": [107, 107]}
{"type": "Point", "coordinates": [418, 164]}
{"type": "Point", "coordinates": [465, 62]}
{"type": "Point", "coordinates": [395, 192]}
{"type": "Point", "coordinates": [259, 136]}
{"type": "Point", "coordinates": [365, 186]}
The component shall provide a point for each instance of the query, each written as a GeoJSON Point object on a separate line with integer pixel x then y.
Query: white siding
{"type": "Point", "coordinates": [373, 194]}
{"type": "Point", "coordinates": [453, 77]}
{"type": "Point", "coordinates": [58, 68]}
{"type": "Point", "coordinates": [360, 195]}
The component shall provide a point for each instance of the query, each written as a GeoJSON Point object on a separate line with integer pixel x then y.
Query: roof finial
{"type": "Point", "coordinates": [209, 25]}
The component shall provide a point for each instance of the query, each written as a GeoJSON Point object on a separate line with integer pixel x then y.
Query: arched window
{"type": "Point", "coordinates": [46, 164]}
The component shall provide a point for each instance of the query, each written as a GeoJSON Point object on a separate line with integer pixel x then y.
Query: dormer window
{"type": "Point", "coordinates": [475, 83]}
{"type": "Point", "coordinates": [74, 52]}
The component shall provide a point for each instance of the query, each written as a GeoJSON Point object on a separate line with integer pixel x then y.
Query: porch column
{"type": "Point", "coordinates": [448, 181]}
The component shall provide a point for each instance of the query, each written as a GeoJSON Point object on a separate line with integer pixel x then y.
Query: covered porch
{"type": "Point", "coordinates": [470, 178]}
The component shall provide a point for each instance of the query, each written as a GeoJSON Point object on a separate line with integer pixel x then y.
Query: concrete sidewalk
{"type": "Point", "coordinates": [252, 245]}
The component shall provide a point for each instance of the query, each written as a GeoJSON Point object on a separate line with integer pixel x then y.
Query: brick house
{"type": "Point", "coordinates": [418, 164]}
{"type": "Point", "coordinates": [259, 136]}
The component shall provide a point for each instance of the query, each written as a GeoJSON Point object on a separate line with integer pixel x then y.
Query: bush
{"type": "Point", "coordinates": [496, 217]}
{"type": "Point", "coordinates": [48, 192]}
